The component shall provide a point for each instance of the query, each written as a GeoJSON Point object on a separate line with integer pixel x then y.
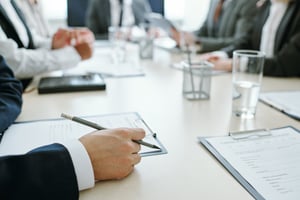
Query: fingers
{"type": "Point", "coordinates": [135, 147]}
{"type": "Point", "coordinates": [83, 35]}
{"type": "Point", "coordinates": [136, 158]}
{"type": "Point", "coordinates": [113, 152]}
{"type": "Point", "coordinates": [136, 133]}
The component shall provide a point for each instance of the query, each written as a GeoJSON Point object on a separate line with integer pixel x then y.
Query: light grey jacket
{"type": "Point", "coordinates": [235, 24]}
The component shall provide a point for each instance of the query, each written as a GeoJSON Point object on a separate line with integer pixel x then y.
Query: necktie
{"type": "Point", "coordinates": [20, 14]}
{"type": "Point", "coordinates": [218, 10]}
{"type": "Point", "coordinates": [121, 12]}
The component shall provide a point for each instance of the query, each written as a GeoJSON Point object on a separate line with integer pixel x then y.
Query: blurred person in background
{"type": "Point", "coordinates": [276, 33]}
{"type": "Point", "coordinates": [35, 18]}
{"type": "Point", "coordinates": [228, 22]}
{"type": "Point", "coordinates": [29, 54]}
{"type": "Point", "coordinates": [102, 14]}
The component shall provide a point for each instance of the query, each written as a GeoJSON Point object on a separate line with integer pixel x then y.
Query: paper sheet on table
{"type": "Point", "coordinates": [105, 62]}
{"type": "Point", "coordinates": [286, 101]}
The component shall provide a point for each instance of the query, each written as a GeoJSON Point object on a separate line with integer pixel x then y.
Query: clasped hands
{"type": "Point", "coordinates": [81, 39]}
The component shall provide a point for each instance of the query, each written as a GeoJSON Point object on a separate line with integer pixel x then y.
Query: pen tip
{"type": "Point", "coordinates": [66, 116]}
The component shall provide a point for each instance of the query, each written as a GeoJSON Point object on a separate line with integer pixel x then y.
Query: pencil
{"type": "Point", "coordinates": [98, 127]}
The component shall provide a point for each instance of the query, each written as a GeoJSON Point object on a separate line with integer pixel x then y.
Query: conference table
{"type": "Point", "coordinates": [188, 170]}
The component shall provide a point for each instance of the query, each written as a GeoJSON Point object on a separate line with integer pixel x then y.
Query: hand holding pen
{"type": "Point", "coordinates": [112, 152]}
{"type": "Point", "coordinates": [98, 127]}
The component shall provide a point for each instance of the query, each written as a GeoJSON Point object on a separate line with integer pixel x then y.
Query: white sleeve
{"type": "Point", "coordinates": [220, 54]}
{"type": "Point", "coordinates": [40, 41]}
{"type": "Point", "coordinates": [82, 164]}
{"type": "Point", "coordinates": [27, 63]}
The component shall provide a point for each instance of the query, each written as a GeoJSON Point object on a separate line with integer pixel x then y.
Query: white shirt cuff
{"type": "Point", "coordinates": [82, 164]}
{"type": "Point", "coordinates": [220, 54]}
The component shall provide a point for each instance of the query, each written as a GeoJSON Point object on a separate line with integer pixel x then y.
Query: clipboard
{"type": "Point", "coordinates": [37, 133]}
{"type": "Point", "coordinates": [287, 102]}
{"type": "Point", "coordinates": [260, 134]}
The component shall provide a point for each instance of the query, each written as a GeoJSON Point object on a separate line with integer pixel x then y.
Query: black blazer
{"type": "Point", "coordinates": [44, 173]}
{"type": "Point", "coordinates": [10, 96]}
{"type": "Point", "coordinates": [286, 61]}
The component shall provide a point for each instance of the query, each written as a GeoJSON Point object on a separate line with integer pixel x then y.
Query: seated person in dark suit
{"type": "Point", "coordinates": [59, 171]}
{"type": "Point", "coordinates": [277, 33]}
{"type": "Point", "coordinates": [104, 13]}
{"type": "Point", "coordinates": [227, 22]}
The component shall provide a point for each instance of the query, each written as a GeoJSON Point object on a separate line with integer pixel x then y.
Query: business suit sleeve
{"type": "Point", "coordinates": [141, 9]}
{"type": "Point", "coordinates": [98, 18]}
{"type": "Point", "coordinates": [10, 96]}
{"type": "Point", "coordinates": [286, 62]}
{"type": "Point", "coordinates": [44, 173]}
{"type": "Point", "coordinates": [234, 28]}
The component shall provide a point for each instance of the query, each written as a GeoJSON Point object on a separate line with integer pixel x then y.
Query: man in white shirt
{"type": "Point", "coordinates": [34, 15]}
{"type": "Point", "coordinates": [29, 55]}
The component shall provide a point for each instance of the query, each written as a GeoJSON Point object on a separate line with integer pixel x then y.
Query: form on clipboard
{"type": "Point", "coordinates": [265, 162]}
{"type": "Point", "coordinates": [25, 136]}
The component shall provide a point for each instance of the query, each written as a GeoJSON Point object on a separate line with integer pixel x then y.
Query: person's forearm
{"type": "Point", "coordinates": [28, 63]}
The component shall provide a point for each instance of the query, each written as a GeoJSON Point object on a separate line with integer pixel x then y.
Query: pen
{"type": "Point", "coordinates": [98, 127]}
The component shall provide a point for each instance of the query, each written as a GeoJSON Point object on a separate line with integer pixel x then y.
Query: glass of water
{"type": "Point", "coordinates": [247, 73]}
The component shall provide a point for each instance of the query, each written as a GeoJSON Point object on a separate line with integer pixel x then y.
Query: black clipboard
{"type": "Point", "coordinates": [229, 167]}
{"type": "Point", "coordinates": [74, 83]}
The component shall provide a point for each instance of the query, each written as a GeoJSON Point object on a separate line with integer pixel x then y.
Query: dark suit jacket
{"type": "Point", "coordinates": [99, 17]}
{"type": "Point", "coordinates": [44, 173]}
{"type": "Point", "coordinates": [286, 60]}
{"type": "Point", "coordinates": [10, 96]}
{"type": "Point", "coordinates": [235, 23]}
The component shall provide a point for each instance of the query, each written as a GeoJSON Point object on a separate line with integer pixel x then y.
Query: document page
{"type": "Point", "coordinates": [288, 101]}
{"type": "Point", "coordinates": [105, 61]}
{"type": "Point", "coordinates": [271, 164]}
{"type": "Point", "coordinates": [23, 137]}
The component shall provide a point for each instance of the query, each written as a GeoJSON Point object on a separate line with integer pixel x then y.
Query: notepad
{"type": "Point", "coordinates": [25, 136]}
{"type": "Point", "coordinates": [265, 162]}
{"type": "Point", "coordinates": [287, 101]}
{"type": "Point", "coordinates": [74, 83]}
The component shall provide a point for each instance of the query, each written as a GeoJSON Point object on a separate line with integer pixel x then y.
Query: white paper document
{"type": "Point", "coordinates": [287, 102]}
{"type": "Point", "coordinates": [23, 137]}
{"type": "Point", "coordinates": [104, 61]}
{"type": "Point", "coordinates": [270, 164]}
